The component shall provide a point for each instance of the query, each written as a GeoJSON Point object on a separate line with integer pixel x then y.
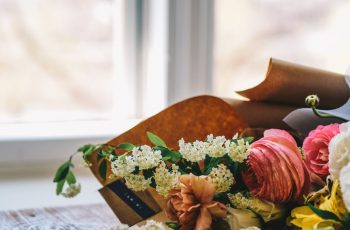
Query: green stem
{"type": "Point", "coordinates": [324, 115]}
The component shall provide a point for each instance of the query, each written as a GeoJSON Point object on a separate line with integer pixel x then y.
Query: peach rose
{"type": "Point", "coordinates": [316, 151]}
{"type": "Point", "coordinates": [192, 205]}
{"type": "Point", "coordinates": [275, 170]}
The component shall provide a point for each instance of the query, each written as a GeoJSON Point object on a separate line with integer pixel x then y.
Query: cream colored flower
{"type": "Point", "coordinates": [137, 182]}
{"type": "Point", "coordinates": [153, 225]}
{"type": "Point", "coordinates": [166, 180]}
{"type": "Point", "coordinates": [239, 151]}
{"type": "Point", "coordinates": [71, 191]}
{"type": "Point", "coordinates": [121, 227]}
{"type": "Point", "coordinates": [344, 180]}
{"type": "Point", "coordinates": [193, 152]}
{"type": "Point", "coordinates": [216, 146]}
{"type": "Point", "coordinates": [145, 157]}
{"type": "Point", "coordinates": [339, 153]}
{"type": "Point", "coordinates": [267, 210]}
{"type": "Point", "coordinates": [242, 218]}
{"type": "Point", "coordinates": [222, 177]}
{"type": "Point", "coordinates": [239, 201]}
{"type": "Point", "coordinates": [123, 166]}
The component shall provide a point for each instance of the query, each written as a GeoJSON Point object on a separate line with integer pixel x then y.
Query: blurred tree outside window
{"type": "Point", "coordinates": [56, 60]}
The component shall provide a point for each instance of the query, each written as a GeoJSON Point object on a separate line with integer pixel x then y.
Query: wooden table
{"type": "Point", "coordinates": [87, 217]}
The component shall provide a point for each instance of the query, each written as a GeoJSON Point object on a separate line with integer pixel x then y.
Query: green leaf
{"type": "Point", "coordinates": [168, 155]}
{"type": "Point", "coordinates": [249, 139]}
{"type": "Point", "coordinates": [214, 161]}
{"type": "Point", "coordinates": [126, 146]}
{"type": "Point", "coordinates": [87, 150]}
{"type": "Point", "coordinates": [59, 186]}
{"type": "Point", "coordinates": [157, 141]}
{"type": "Point", "coordinates": [326, 215]}
{"type": "Point", "coordinates": [172, 225]}
{"type": "Point", "coordinates": [62, 171]}
{"type": "Point", "coordinates": [102, 170]}
{"type": "Point", "coordinates": [347, 221]}
{"type": "Point", "coordinates": [71, 178]}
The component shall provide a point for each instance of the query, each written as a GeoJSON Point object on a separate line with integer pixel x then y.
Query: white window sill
{"type": "Point", "coordinates": [47, 143]}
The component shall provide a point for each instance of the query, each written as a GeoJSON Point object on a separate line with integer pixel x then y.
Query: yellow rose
{"type": "Point", "coordinates": [267, 210]}
{"type": "Point", "coordinates": [242, 218]}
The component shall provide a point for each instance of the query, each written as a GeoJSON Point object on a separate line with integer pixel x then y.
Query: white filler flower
{"type": "Point", "coordinates": [216, 146]}
{"type": "Point", "coordinates": [222, 177]}
{"type": "Point", "coordinates": [239, 151]}
{"type": "Point", "coordinates": [166, 180]}
{"type": "Point", "coordinates": [145, 157]}
{"type": "Point", "coordinates": [71, 191]}
{"type": "Point", "coordinates": [193, 152]}
{"type": "Point", "coordinates": [123, 166]}
{"type": "Point", "coordinates": [137, 182]}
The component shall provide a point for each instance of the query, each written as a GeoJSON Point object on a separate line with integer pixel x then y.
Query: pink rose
{"type": "Point", "coordinates": [315, 148]}
{"type": "Point", "coordinates": [275, 169]}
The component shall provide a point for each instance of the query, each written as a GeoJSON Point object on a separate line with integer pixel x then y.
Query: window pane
{"type": "Point", "coordinates": [55, 60]}
{"type": "Point", "coordinates": [248, 33]}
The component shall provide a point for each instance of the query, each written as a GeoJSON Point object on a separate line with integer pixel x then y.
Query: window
{"type": "Point", "coordinates": [248, 33]}
{"type": "Point", "coordinates": [77, 72]}
{"type": "Point", "coordinates": [56, 60]}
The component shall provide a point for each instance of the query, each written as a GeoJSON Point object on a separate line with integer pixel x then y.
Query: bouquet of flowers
{"type": "Point", "coordinates": [236, 183]}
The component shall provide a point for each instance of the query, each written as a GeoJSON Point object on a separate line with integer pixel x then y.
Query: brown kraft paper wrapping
{"type": "Point", "coordinates": [288, 83]}
{"type": "Point", "coordinates": [260, 114]}
{"type": "Point", "coordinates": [192, 119]}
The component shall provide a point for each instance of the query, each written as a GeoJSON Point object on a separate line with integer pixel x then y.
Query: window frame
{"type": "Point", "coordinates": [151, 54]}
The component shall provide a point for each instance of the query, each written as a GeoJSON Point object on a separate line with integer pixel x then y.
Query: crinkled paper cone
{"type": "Point", "coordinates": [192, 119]}
{"type": "Point", "coordinates": [288, 83]}
{"type": "Point", "coordinates": [261, 114]}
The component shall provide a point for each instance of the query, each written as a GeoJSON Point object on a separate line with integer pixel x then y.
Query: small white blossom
{"type": "Point", "coordinates": [222, 177]}
{"type": "Point", "coordinates": [193, 152]}
{"type": "Point", "coordinates": [239, 201]}
{"type": "Point", "coordinates": [123, 166]}
{"type": "Point", "coordinates": [121, 227]}
{"type": "Point", "coordinates": [153, 225]}
{"type": "Point", "coordinates": [239, 151]}
{"type": "Point", "coordinates": [216, 146]}
{"type": "Point", "coordinates": [145, 157]}
{"type": "Point", "coordinates": [166, 180]}
{"type": "Point", "coordinates": [137, 182]}
{"type": "Point", "coordinates": [71, 191]}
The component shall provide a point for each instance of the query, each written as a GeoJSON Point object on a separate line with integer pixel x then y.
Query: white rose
{"type": "Point", "coordinates": [339, 153]}
{"type": "Point", "coordinates": [242, 218]}
{"type": "Point", "coordinates": [345, 127]}
{"type": "Point", "coordinates": [344, 180]}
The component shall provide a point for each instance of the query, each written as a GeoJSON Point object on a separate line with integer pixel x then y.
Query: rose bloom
{"type": "Point", "coordinates": [239, 219]}
{"type": "Point", "coordinates": [339, 151]}
{"type": "Point", "coordinates": [192, 205]}
{"type": "Point", "coordinates": [344, 179]}
{"type": "Point", "coordinates": [275, 170]}
{"type": "Point", "coordinates": [315, 148]}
